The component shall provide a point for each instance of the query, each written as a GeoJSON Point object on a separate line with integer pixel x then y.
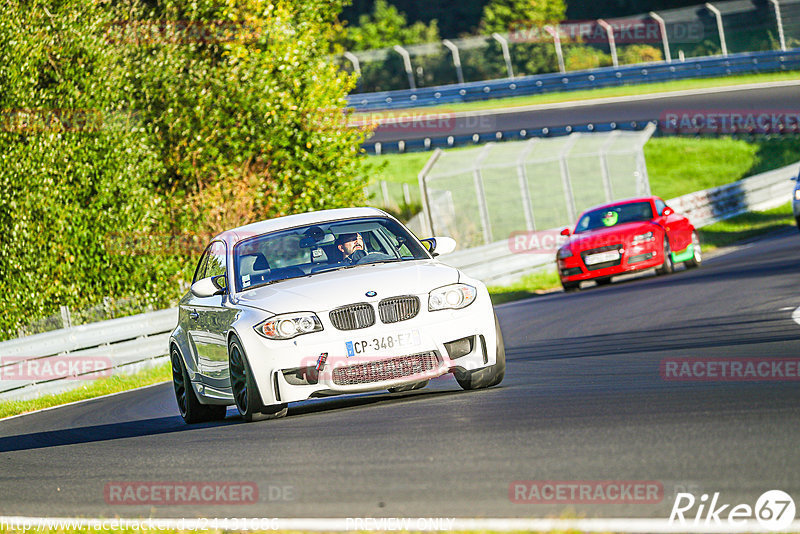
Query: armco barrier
{"type": "Point", "coordinates": [714, 66]}
{"type": "Point", "coordinates": [132, 342]}
{"type": "Point", "coordinates": [118, 345]}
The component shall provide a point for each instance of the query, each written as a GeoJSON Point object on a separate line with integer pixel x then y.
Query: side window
{"type": "Point", "coordinates": [212, 263]}
{"type": "Point", "coordinates": [201, 266]}
{"type": "Point", "coordinates": [216, 260]}
{"type": "Point", "coordinates": [660, 205]}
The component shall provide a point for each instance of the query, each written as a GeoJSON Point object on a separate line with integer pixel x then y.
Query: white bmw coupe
{"type": "Point", "coordinates": [326, 303]}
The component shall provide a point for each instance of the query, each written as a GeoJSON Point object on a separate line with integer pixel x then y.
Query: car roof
{"type": "Point", "coordinates": [235, 235]}
{"type": "Point", "coordinates": [620, 203]}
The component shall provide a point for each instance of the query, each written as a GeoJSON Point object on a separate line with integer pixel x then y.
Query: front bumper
{"type": "Point", "coordinates": [374, 358]}
{"type": "Point", "coordinates": [632, 258]}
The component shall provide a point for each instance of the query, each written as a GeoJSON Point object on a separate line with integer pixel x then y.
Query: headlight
{"type": "Point", "coordinates": [564, 252]}
{"type": "Point", "coordinates": [289, 325]}
{"type": "Point", "coordinates": [797, 194]}
{"type": "Point", "coordinates": [452, 297]}
{"type": "Point", "coordinates": [643, 238]}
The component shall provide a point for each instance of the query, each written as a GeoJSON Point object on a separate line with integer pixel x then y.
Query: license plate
{"type": "Point", "coordinates": [382, 343]}
{"type": "Point", "coordinates": [602, 257]}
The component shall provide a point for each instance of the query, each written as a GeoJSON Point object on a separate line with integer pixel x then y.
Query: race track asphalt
{"type": "Point", "coordinates": [583, 400]}
{"type": "Point", "coordinates": [779, 98]}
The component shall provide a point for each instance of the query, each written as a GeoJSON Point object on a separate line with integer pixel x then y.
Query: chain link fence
{"type": "Point", "coordinates": [485, 194]}
{"type": "Point", "coordinates": [528, 49]}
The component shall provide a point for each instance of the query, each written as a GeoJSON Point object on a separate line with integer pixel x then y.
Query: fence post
{"type": "Point", "coordinates": [385, 193]}
{"type": "Point", "coordinates": [427, 219]}
{"type": "Point", "coordinates": [780, 24]}
{"type": "Point", "coordinates": [407, 194]}
{"type": "Point", "coordinates": [664, 39]}
{"type": "Point", "coordinates": [506, 55]}
{"type": "Point", "coordinates": [354, 60]}
{"type": "Point", "coordinates": [66, 317]}
{"type": "Point", "coordinates": [612, 43]}
{"type": "Point", "coordinates": [522, 174]}
{"type": "Point", "coordinates": [720, 29]}
{"type": "Point", "coordinates": [643, 184]}
{"type": "Point", "coordinates": [456, 59]}
{"type": "Point", "coordinates": [480, 193]}
{"type": "Point", "coordinates": [407, 64]}
{"type": "Point", "coordinates": [604, 165]}
{"type": "Point", "coordinates": [569, 198]}
{"type": "Point", "coordinates": [557, 42]}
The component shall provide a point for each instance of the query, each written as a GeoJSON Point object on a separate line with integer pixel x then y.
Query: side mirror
{"type": "Point", "coordinates": [565, 232]}
{"type": "Point", "coordinates": [441, 245]}
{"type": "Point", "coordinates": [667, 212]}
{"type": "Point", "coordinates": [208, 287]}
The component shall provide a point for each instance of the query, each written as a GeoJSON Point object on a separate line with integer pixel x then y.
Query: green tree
{"type": "Point", "coordinates": [384, 27]}
{"type": "Point", "coordinates": [500, 15]}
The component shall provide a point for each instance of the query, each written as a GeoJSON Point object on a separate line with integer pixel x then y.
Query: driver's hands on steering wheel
{"type": "Point", "coordinates": [356, 256]}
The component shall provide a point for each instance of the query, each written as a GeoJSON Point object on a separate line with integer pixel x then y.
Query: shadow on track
{"type": "Point", "coordinates": [167, 425]}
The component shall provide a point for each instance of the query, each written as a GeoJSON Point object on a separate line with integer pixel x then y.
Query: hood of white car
{"type": "Point", "coordinates": [328, 290]}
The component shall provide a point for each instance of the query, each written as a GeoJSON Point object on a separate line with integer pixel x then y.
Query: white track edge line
{"type": "Point", "coordinates": [414, 524]}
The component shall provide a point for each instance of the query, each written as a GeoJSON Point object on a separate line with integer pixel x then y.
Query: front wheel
{"type": "Point", "coordinates": [697, 256]}
{"type": "Point", "coordinates": [488, 376]}
{"type": "Point", "coordinates": [244, 388]}
{"type": "Point", "coordinates": [666, 267]}
{"type": "Point", "coordinates": [190, 408]}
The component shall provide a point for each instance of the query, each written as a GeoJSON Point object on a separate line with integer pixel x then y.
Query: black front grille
{"type": "Point", "coordinates": [396, 309]}
{"type": "Point", "coordinates": [389, 369]}
{"type": "Point", "coordinates": [353, 317]}
{"type": "Point", "coordinates": [605, 264]}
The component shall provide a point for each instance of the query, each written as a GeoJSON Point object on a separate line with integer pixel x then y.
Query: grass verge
{"type": "Point", "coordinates": [712, 237]}
{"type": "Point", "coordinates": [97, 388]}
{"type": "Point", "coordinates": [608, 92]}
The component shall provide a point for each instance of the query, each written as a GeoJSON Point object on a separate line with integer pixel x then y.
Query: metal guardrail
{"type": "Point", "coordinates": [32, 366]}
{"type": "Point", "coordinates": [497, 264]}
{"type": "Point", "coordinates": [744, 63]}
{"type": "Point", "coordinates": [131, 343]}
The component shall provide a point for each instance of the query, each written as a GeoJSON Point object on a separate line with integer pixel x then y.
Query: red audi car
{"type": "Point", "coordinates": [625, 236]}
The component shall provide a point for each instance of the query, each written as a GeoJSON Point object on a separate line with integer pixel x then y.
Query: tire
{"type": "Point", "coordinates": [244, 388]}
{"type": "Point", "coordinates": [410, 387]}
{"type": "Point", "coordinates": [569, 287]}
{"type": "Point", "coordinates": [603, 281]}
{"type": "Point", "coordinates": [189, 406]}
{"type": "Point", "coordinates": [488, 376]}
{"type": "Point", "coordinates": [697, 259]}
{"type": "Point", "coordinates": [667, 267]}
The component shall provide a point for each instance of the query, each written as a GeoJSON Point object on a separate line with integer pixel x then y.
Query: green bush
{"type": "Point", "coordinates": [124, 123]}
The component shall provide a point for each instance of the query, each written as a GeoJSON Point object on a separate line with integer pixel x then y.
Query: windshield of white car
{"type": "Point", "coordinates": [319, 248]}
{"type": "Point", "coordinates": [611, 216]}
